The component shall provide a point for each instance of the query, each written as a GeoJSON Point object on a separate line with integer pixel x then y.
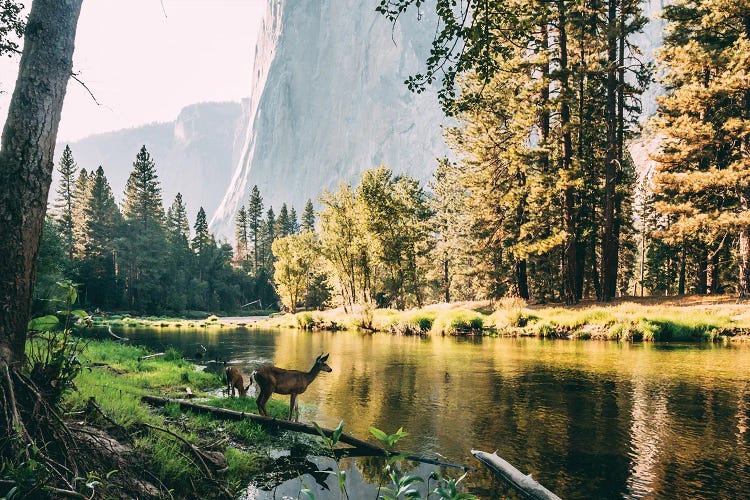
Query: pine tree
{"type": "Point", "coordinates": [283, 224]}
{"type": "Point", "coordinates": [180, 262]}
{"type": "Point", "coordinates": [202, 242]}
{"type": "Point", "coordinates": [241, 235]}
{"type": "Point", "coordinates": [98, 266]}
{"type": "Point", "coordinates": [144, 246]}
{"type": "Point", "coordinates": [81, 197]}
{"type": "Point", "coordinates": [268, 236]}
{"type": "Point", "coordinates": [293, 222]}
{"type": "Point", "coordinates": [177, 224]}
{"type": "Point", "coordinates": [451, 259]}
{"type": "Point", "coordinates": [143, 204]}
{"type": "Point", "coordinates": [254, 218]}
{"type": "Point", "coordinates": [308, 217]}
{"type": "Point", "coordinates": [701, 181]}
{"type": "Point", "coordinates": [65, 199]}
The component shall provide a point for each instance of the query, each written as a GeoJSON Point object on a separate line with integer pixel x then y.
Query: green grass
{"type": "Point", "coordinates": [118, 386]}
{"type": "Point", "coordinates": [693, 319]}
{"type": "Point", "coordinates": [458, 321]}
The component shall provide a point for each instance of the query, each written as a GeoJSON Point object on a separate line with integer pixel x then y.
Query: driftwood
{"type": "Point", "coordinates": [526, 485]}
{"type": "Point", "coordinates": [151, 356]}
{"type": "Point", "coordinates": [274, 423]}
{"type": "Point", "coordinates": [115, 336]}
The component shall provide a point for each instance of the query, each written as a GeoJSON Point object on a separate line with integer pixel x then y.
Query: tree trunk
{"type": "Point", "coordinates": [26, 161]}
{"type": "Point", "coordinates": [446, 280]}
{"type": "Point", "coordinates": [681, 278]}
{"type": "Point", "coordinates": [701, 279]}
{"type": "Point", "coordinates": [609, 262]}
{"type": "Point", "coordinates": [744, 236]}
{"type": "Point", "coordinates": [522, 283]}
{"type": "Point", "coordinates": [569, 261]}
{"type": "Point", "coordinates": [713, 282]}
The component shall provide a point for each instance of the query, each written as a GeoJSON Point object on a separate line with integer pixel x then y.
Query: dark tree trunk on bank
{"type": "Point", "coordinates": [26, 161]}
{"type": "Point", "coordinates": [683, 264]}
{"type": "Point", "coordinates": [744, 236]}
{"type": "Point", "coordinates": [609, 247]}
{"type": "Point", "coordinates": [522, 283]}
{"type": "Point", "coordinates": [569, 261]}
{"type": "Point", "coordinates": [701, 280]}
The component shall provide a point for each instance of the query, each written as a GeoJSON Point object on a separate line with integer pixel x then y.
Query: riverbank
{"type": "Point", "coordinates": [189, 455]}
{"type": "Point", "coordinates": [690, 319]}
{"type": "Point", "coordinates": [193, 321]}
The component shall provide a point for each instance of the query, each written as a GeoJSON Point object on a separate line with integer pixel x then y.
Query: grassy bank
{"type": "Point", "coordinates": [189, 321]}
{"type": "Point", "coordinates": [686, 319]}
{"type": "Point", "coordinates": [116, 379]}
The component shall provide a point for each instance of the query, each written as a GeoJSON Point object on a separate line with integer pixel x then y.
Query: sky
{"type": "Point", "coordinates": [144, 60]}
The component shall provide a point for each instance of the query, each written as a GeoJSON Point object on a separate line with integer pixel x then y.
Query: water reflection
{"type": "Point", "coordinates": [587, 419]}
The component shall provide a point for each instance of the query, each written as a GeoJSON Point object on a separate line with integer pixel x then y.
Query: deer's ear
{"type": "Point", "coordinates": [324, 358]}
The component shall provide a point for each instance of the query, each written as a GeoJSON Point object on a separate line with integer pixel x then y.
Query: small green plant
{"type": "Point", "coordinates": [402, 485]}
{"type": "Point", "coordinates": [330, 443]}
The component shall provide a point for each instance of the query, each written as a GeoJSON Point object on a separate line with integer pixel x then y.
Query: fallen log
{"type": "Point", "coordinates": [287, 425]}
{"type": "Point", "coordinates": [151, 356]}
{"type": "Point", "coordinates": [526, 485]}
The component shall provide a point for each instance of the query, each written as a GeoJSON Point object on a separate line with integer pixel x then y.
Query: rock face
{"type": "Point", "coordinates": [193, 154]}
{"type": "Point", "coordinates": [328, 102]}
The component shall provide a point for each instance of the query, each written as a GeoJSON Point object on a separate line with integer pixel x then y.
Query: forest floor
{"type": "Point", "coordinates": [688, 318]}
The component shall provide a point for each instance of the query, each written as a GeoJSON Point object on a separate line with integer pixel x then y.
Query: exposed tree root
{"type": "Point", "coordinates": [44, 456]}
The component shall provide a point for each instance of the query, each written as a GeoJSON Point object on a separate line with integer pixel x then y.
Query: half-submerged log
{"type": "Point", "coordinates": [524, 484]}
{"type": "Point", "coordinates": [275, 423]}
{"type": "Point", "coordinates": [151, 356]}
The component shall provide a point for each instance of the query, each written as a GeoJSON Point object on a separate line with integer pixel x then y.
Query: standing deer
{"type": "Point", "coordinates": [271, 379]}
{"type": "Point", "coordinates": [235, 380]}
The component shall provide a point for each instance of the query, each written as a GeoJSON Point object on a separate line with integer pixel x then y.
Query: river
{"type": "Point", "coordinates": [587, 419]}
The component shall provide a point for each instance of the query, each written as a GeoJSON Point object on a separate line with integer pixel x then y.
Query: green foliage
{"type": "Point", "coordinates": [296, 256]}
{"type": "Point", "coordinates": [703, 121]}
{"type": "Point", "coordinates": [308, 217]}
{"type": "Point", "coordinates": [65, 200]}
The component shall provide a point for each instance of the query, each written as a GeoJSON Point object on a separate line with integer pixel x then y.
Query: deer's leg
{"type": "Point", "coordinates": [292, 404]}
{"type": "Point", "coordinates": [261, 402]}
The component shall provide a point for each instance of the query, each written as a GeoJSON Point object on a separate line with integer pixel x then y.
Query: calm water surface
{"type": "Point", "coordinates": [588, 419]}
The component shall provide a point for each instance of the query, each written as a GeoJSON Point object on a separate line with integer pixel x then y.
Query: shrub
{"type": "Point", "coordinates": [305, 321]}
{"type": "Point", "coordinates": [457, 322]}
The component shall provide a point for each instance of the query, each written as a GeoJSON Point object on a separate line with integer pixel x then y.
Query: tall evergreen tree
{"type": "Point", "coordinates": [65, 199]}
{"type": "Point", "coordinates": [293, 222]}
{"type": "Point", "coordinates": [702, 181]}
{"type": "Point", "coordinates": [283, 224]}
{"type": "Point", "coordinates": [177, 224]}
{"type": "Point", "coordinates": [241, 235]}
{"type": "Point", "coordinates": [144, 245]}
{"type": "Point", "coordinates": [180, 262]}
{"type": "Point", "coordinates": [254, 218]}
{"type": "Point", "coordinates": [308, 217]}
{"type": "Point", "coordinates": [268, 237]}
{"type": "Point", "coordinates": [98, 266]}
{"type": "Point", "coordinates": [202, 241]}
{"type": "Point", "coordinates": [81, 196]}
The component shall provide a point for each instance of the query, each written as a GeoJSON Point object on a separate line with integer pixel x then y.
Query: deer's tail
{"type": "Point", "coordinates": [253, 383]}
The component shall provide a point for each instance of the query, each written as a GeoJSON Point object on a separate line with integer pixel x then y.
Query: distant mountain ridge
{"type": "Point", "coordinates": [194, 154]}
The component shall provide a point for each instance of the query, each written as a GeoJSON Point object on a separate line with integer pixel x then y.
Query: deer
{"type": "Point", "coordinates": [272, 379]}
{"type": "Point", "coordinates": [235, 380]}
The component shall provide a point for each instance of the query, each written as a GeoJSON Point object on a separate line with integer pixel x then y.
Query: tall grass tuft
{"type": "Point", "coordinates": [457, 322]}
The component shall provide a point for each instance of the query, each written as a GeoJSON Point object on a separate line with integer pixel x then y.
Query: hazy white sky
{"type": "Point", "coordinates": [144, 67]}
